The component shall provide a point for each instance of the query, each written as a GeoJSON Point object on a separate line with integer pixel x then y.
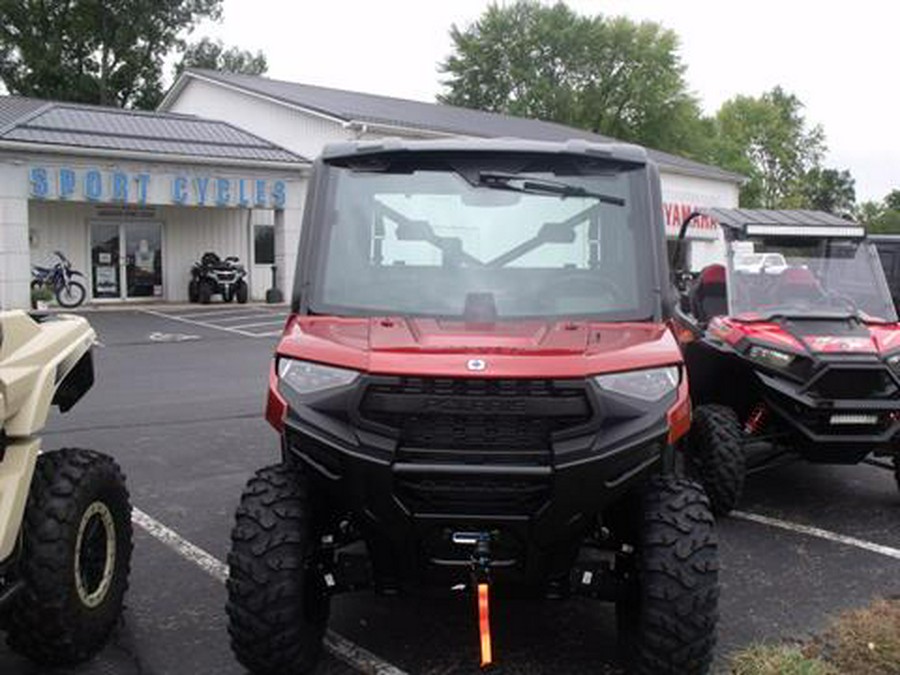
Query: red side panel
{"type": "Point", "coordinates": [767, 332]}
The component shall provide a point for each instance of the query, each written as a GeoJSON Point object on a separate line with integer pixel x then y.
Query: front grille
{"type": "Point", "coordinates": [854, 383]}
{"type": "Point", "coordinates": [459, 421]}
{"type": "Point", "coordinates": [475, 431]}
{"type": "Point", "coordinates": [475, 414]}
{"type": "Point", "coordinates": [468, 494]}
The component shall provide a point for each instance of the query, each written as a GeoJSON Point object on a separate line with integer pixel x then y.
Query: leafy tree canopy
{"type": "Point", "coordinates": [609, 75]}
{"type": "Point", "coordinates": [881, 217]}
{"type": "Point", "coordinates": [892, 200]}
{"type": "Point", "coordinates": [767, 139]}
{"type": "Point", "coordinates": [828, 190]}
{"type": "Point", "coordinates": [109, 52]}
{"type": "Point", "coordinates": [212, 54]}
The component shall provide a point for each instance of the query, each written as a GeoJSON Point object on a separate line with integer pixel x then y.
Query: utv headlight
{"type": "Point", "coordinates": [646, 385]}
{"type": "Point", "coordinates": [770, 357]}
{"type": "Point", "coordinates": [305, 377]}
{"type": "Point", "coordinates": [894, 362]}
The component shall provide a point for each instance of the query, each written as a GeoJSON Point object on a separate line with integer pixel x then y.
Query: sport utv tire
{"type": "Point", "coordinates": [667, 619]}
{"type": "Point", "coordinates": [716, 455]}
{"type": "Point", "coordinates": [74, 587]}
{"type": "Point", "coordinates": [205, 292]}
{"type": "Point", "coordinates": [242, 292]}
{"type": "Point", "coordinates": [277, 606]}
{"type": "Point", "coordinates": [193, 291]}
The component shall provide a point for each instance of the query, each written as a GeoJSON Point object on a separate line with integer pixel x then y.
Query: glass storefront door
{"type": "Point", "coordinates": [126, 260]}
{"type": "Point", "coordinates": [143, 260]}
{"type": "Point", "coordinates": [105, 280]}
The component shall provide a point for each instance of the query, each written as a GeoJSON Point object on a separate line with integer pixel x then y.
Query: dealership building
{"type": "Point", "coordinates": [134, 198]}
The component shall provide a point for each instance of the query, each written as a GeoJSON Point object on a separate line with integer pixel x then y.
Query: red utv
{"type": "Point", "coordinates": [793, 349]}
{"type": "Point", "coordinates": [478, 386]}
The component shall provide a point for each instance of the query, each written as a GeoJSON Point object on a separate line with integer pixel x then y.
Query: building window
{"type": "Point", "coordinates": [264, 244]}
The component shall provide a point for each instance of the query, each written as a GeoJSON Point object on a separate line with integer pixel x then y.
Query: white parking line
{"type": "Point", "coordinates": [350, 653]}
{"type": "Point", "coordinates": [273, 322]}
{"type": "Point", "coordinates": [820, 533]}
{"type": "Point", "coordinates": [204, 324]}
{"type": "Point", "coordinates": [214, 312]}
{"type": "Point", "coordinates": [244, 317]}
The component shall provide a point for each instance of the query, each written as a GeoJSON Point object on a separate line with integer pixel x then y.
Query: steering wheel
{"type": "Point", "coordinates": [591, 283]}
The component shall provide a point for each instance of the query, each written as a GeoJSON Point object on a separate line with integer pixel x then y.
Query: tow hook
{"type": "Point", "coordinates": [481, 573]}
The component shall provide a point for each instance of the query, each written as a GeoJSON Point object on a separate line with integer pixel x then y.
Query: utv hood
{"type": "Point", "coordinates": [814, 336]}
{"type": "Point", "coordinates": [437, 347]}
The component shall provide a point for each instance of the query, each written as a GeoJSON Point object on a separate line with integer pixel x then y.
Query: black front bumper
{"type": "Point", "coordinates": [537, 502]}
{"type": "Point", "coordinates": [821, 411]}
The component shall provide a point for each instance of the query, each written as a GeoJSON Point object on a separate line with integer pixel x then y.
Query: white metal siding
{"type": "Point", "coordinates": [188, 232]}
{"type": "Point", "coordinates": [292, 129]}
{"type": "Point", "coordinates": [680, 189]}
{"type": "Point", "coordinates": [60, 227]}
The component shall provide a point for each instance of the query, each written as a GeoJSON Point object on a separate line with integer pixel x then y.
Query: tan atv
{"type": "Point", "coordinates": [65, 516]}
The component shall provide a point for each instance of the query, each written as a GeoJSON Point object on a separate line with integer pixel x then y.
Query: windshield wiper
{"type": "Point", "coordinates": [517, 183]}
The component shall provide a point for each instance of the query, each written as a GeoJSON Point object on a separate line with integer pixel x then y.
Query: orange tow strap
{"type": "Point", "coordinates": [484, 625]}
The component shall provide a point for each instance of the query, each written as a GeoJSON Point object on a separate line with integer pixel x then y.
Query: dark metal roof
{"type": "Point", "coordinates": [740, 218]}
{"type": "Point", "coordinates": [354, 106]}
{"type": "Point", "coordinates": [619, 151]}
{"type": "Point", "coordinates": [73, 125]}
{"type": "Point", "coordinates": [14, 108]}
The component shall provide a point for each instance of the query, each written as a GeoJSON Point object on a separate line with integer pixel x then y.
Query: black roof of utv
{"type": "Point", "coordinates": [624, 152]}
{"type": "Point", "coordinates": [787, 222]}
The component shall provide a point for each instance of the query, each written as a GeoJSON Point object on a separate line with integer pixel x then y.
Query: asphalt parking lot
{"type": "Point", "coordinates": [178, 401]}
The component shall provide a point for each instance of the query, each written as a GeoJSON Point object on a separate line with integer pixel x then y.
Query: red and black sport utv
{"type": "Point", "coordinates": [792, 347]}
{"type": "Point", "coordinates": [478, 385]}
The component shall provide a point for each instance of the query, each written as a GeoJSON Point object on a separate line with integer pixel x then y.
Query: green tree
{"type": "Point", "coordinates": [892, 200]}
{"type": "Point", "coordinates": [828, 190]}
{"type": "Point", "coordinates": [881, 217]}
{"type": "Point", "coordinates": [869, 211]}
{"type": "Point", "coordinates": [212, 54]}
{"type": "Point", "coordinates": [608, 75]}
{"type": "Point", "coordinates": [887, 223]}
{"type": "Point", "coordinates": [109, 52]}
{"type": "Point", "coordinates": [767, 139]}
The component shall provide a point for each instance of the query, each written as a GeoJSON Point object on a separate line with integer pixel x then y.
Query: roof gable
{"type": "Point", "coordinates": [350, 106]}
{"type": "Point", "coordinates": [89, 127]}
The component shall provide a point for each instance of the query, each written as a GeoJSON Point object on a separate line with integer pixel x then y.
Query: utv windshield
{"type": "Point", "coordinates": [475, 238]}
{"type": "Point", "coordinates": [801, 277]}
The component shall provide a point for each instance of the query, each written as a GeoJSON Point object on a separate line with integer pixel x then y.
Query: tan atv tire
{"type": "Point", "coordinates": [76, 557]}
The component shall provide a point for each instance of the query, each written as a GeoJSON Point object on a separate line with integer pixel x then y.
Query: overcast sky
{"type": "Point", "coordinates": [840, 59]}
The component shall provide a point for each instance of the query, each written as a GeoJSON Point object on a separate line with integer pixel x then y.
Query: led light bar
{"type": "Point", "coordinates": [854, 419]}
{"type": "Point", "coordinates": [807, 231]}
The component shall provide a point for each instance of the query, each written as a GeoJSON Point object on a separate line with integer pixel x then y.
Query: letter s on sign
{"type": "Point", "coordinates": [278, 195]}
{"type": "Point", "coordinates": [40, 186]}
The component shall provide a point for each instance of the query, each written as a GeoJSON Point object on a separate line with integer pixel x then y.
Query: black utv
{"type": "Point", "coordinates": [212, 275]}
